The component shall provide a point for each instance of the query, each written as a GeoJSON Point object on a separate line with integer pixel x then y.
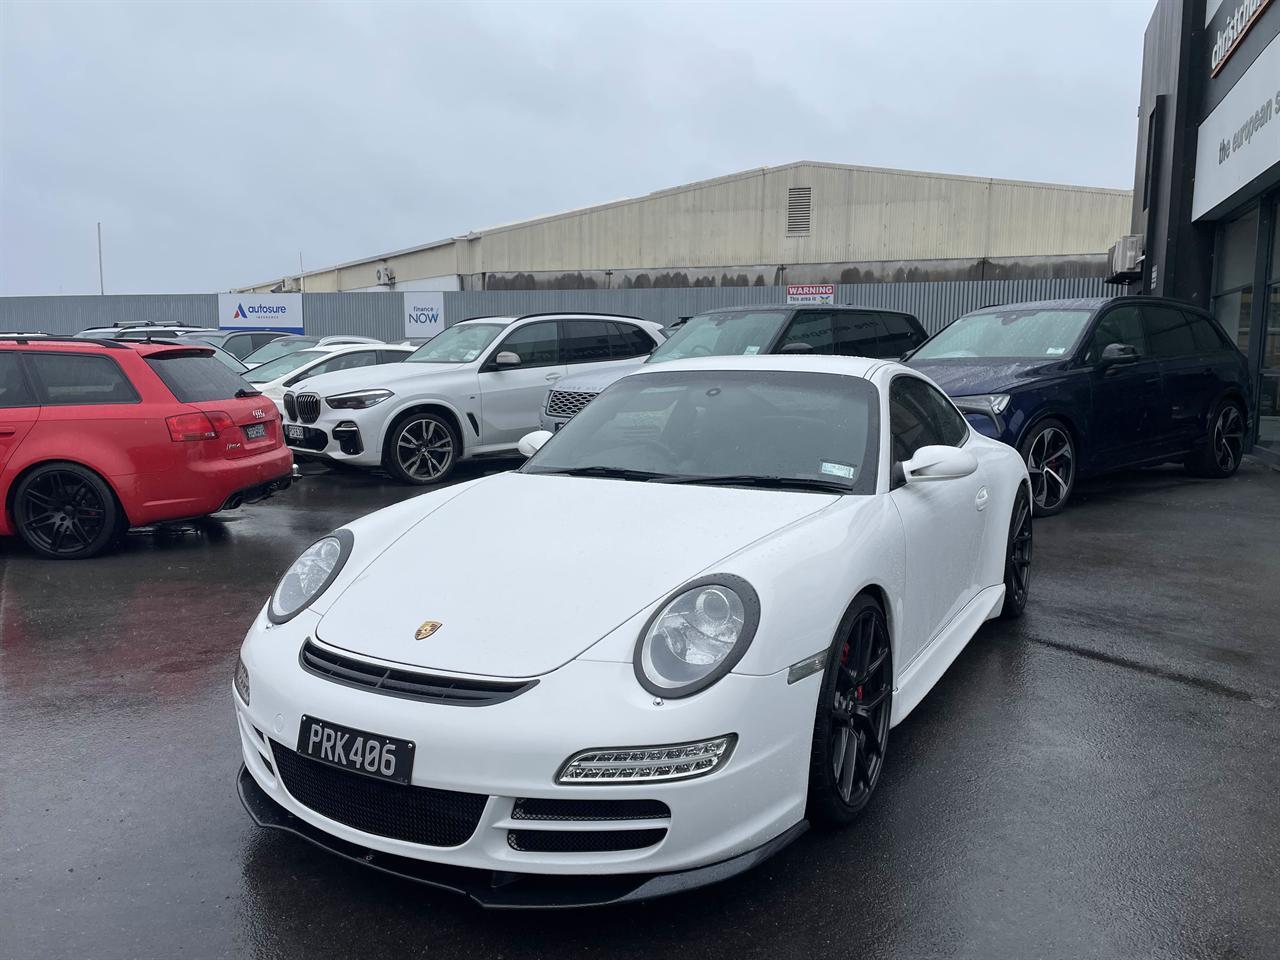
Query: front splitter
{"type": "Point", "coordinates": [511, 891]}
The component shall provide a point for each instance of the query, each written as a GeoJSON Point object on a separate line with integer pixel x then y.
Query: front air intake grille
{"type": "Point", "coordinates": [434, 818]}
{"type": "Point", "coordinates": [566, 404]}
{"type": "Point", "coordinates": [581, 841]}
{"type": "Point", "coordinates": [308, 407]}
{"type": "Point", "coordinates": [534, 809]}
{"type": "Point", "coordinates": [410, 684]}
{"type": "Point", "coordinates": [290, 406]}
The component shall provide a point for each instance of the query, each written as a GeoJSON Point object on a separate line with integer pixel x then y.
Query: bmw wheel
{"type": "Point", "coordinates": [420, 448]}
{"type": "Point", "coordinates": [1017, 563]}
{"type": "Point", "coordinates": [851, 730]}
{"type": "Point", "coordinates": [65, 512]}
{"type": "Point", "coordinates": [1219, 455]}
{"type": "Point", "coordinates": [1050, 454]}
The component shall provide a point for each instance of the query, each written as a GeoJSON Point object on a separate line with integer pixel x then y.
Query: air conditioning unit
{"type": "Point", "coordinates": [386, 276]}
{"type": "Point", "coordinates": [290, 285]}
{"type": "Point", "coordinates": [1124, 259]}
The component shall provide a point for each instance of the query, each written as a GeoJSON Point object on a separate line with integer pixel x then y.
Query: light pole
{"type": "Point", "coordinates": [100, 287]}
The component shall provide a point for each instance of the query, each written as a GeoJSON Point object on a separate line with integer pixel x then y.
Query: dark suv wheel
{"type": "Point", "coordinates": [1219, 455]}
{"type": "Point", "coordinates": [65, 511]}
{"type": "Point", "coordinates": [1050, 454]}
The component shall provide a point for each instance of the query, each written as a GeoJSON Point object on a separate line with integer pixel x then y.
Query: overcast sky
{"type": "Point", "coordinates": [216, 142]}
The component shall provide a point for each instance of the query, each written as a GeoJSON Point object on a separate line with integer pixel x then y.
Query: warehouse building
{"type": "Point", "coordinates": [803, 222]}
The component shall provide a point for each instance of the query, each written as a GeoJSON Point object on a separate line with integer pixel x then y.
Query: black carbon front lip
{"type": "Point", "coordinates": [511, 891]}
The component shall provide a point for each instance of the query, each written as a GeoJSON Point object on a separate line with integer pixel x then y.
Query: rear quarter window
{"type": "Point", "coordinates": [193, 378]}
{"type": "Point", "coordinates": [67, 379]}
{"type": "Point", "coordinates": [14, 389]}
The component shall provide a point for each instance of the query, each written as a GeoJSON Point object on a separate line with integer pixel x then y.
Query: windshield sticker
{"type": "Point", "coordinates": [839, 469]}
{"type": "Point", "coordinates": [1055, 351]}
{"type": "Point", "coordinates": [470, 355]}
{"type": "Point", "coordinates": [750, 351]}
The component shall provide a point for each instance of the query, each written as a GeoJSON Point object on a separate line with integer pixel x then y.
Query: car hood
{"type": "Point", "coordinates": [593, 381]}
{"type": "Point", "coordinates": [526, 572]}
{"type": "Point", "coordinates": [368, 378]}
{"type": "Point", "coordinates": [965, 378]}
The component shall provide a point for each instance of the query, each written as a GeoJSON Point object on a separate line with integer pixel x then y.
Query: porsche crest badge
{"type": "Point", "coordinates": [427, 629]}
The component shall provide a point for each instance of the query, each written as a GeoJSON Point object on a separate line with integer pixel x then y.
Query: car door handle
{"type": "Point", "coordinates": [553, 377]}
{"type": "Point", "coordinates": [980, 501]}
{"type": "Point", "coordinates": [7, 431]}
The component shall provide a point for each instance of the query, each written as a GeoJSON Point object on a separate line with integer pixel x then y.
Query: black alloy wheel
{"type": "Point", "coordinates": [851, 729]}
{"type": "Point", "coordinates": [1223, 448]}
{"type": "Point", "coordinates": [421, 448]}
{"type": "Point", "coordinates": [1017, 563]}
{"type": "Point", "coordinates": [1050, 454]}
{"type": "Point", "coordinates": [65, 511]}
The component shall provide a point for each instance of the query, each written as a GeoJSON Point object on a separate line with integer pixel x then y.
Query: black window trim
{"type": "Point", "coordinates": [42, 395]}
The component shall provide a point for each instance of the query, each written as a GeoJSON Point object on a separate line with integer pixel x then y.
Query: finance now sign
{"type": "Point", "coordinates": [821, 293]}
{"type": "Point", "coordinates": [423, 315]}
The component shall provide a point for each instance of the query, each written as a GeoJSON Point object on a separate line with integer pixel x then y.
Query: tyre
{"type": "Point", "coordinates": [66, 512]}
{"type": "Point", "coordinates": [1017, 558]}
{"type": "Point", "coordinates": [1219, 455]}
{"type": "Point", "coordinates": [420, 448]}
{"type": "Point", "coordinates": [851, 728]}
{"type": "Point", "coordinates": [1050, 454]}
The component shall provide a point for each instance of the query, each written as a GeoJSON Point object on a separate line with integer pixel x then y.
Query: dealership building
{"type": "Point", "coordinates": [801, 223]}
{"type": "Point", "coordinates": [1208, 177]}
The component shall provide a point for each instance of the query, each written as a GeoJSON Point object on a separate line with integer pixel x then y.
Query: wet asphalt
{"type": "Point", "coordinates": [1100, 779]}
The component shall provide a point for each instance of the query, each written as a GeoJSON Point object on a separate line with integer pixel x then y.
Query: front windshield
{"type": "Point", "coordinates": [814, 431]}
{"type": "Point", "coordinates": [282, 366]}
{"type": "Point", "coordinates": [1038, 333]}
{"type": "Point", "coordinates": [731, 333]}
{"type": "Point", "coordinates": [459, 344]}
{"type": "Point", "coordinates": [278, 348]}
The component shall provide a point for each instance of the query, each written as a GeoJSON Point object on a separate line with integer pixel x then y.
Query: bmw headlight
{"type": "Point", "coordinates": [310, 576]}
{"type": "Point", "coordinates": [357, 400]}
{"type": "Point", "coordinates": [697, 636]}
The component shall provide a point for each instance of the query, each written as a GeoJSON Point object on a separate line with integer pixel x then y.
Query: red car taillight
{"type": "Point", "coordinates": [198, 426]}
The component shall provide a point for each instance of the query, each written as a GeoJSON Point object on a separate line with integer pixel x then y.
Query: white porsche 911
{"type": "Point", "coordinates": [646, 660]}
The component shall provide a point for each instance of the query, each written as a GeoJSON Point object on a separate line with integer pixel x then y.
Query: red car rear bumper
{"type": "Point", "coordinates": [204, 487]}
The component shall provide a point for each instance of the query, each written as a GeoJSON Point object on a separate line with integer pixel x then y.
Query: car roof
{"type": "Point", "coordinates": [145, 348]}
{"type": "Point", "coordinates": [862, 367]}
{"type": "Point", "coordinates": [802, 306]}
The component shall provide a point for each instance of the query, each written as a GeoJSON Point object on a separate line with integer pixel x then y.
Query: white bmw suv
{"type": "Point", "coordinates": [473, 390]}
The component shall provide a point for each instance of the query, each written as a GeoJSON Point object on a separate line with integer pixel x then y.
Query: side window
{"type": "Point", "coordinates": [584, 341]}
{"type": "Point", "coordinates": [1206, 335]}
{"type": "Point", "coordinates": [900, 335]}
{"type": "Point", "coordinates": [347, 361]}
{"type": "Point", "coordinates": [1168, 332]}
{"type": "Point", "coordinates": [1121, 325]}
{"type": "Point", "coordinates": [72, 379]}
{"type": "Point", "coordinates": [14, 389]}
{"type": "Point", "coordinates": [391, 356]}
{"type": "Point", "coordinates": [813, 328]}
{"type": "Point", "coordinates": [919, 416]}
{"type": "Point", "coordinates": [856, 334]}
{"type": "Point", "coordinates": [262, 339]}
{"type": "Point", "coordinates": [536, 344]}
{"type": "Point", "coordinates": [629, 341]}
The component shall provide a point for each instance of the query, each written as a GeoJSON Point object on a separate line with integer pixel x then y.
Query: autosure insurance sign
{"type": "Point", "coordinates": [260, 311]}
{"type": "Point", "coordinates": [423, 315]}
{"type": "Point", "coordinates": [811, 293]}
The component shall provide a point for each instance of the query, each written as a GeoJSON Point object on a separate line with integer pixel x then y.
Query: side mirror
{"type": "Point", "coordinates": [531, 443]}
{"type": "Point", "coordinates": [796, 346]}
{"type": "Point", "coordinates": [507, 358]}
{"type": "Point", "coordinates": [939, 463]}
{"type": "Point", "coordinates": [1119, 353]}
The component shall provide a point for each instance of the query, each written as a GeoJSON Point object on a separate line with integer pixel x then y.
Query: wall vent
{"type": "Point", "coordinates": [799, 211]}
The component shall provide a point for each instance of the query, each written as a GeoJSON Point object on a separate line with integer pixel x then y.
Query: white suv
{"type": "Point", "coordinates": [474, 389]}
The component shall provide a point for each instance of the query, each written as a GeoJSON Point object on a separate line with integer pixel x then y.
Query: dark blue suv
{"type": "Point", "coordinates": [1085, 386]}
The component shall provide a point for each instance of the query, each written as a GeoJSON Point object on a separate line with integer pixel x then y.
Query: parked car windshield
{"type": "Point", "coordinates": [278, 348]}
{"type": "Point", "coordinates": [1008, 334]}
{"type": "Point", "coordinates": [767, 428]}
{"type": "Point", "coordinates": [459, 344]}
{"type": "Point", "coordinates": [280, 366]}
{"type": "Point", "coordinates": [726, 334]}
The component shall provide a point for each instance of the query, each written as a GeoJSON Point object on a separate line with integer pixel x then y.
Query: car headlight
{"type": "Point", "coordinates": [358, 399]}
{"type": "Point", "coordinates": [697, 635]}
{"type": "Point", "coordinates": [994, 403]}
{"type": "Point", "coordinates": [310, 576]}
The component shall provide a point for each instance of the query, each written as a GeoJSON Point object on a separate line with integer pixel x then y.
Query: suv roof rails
{"type": "Point", "coordinates": [583, 313]}
{"type": "Point", "coordinates": [86, 341]}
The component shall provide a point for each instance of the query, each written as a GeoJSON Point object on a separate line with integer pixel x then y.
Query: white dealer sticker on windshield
{"type": "Point", "coordinates": [839, 469]}
{"type": "Point", "coordinates": [750, 351]}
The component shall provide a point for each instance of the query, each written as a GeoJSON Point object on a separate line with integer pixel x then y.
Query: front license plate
{"type": "Point", "coordinates": [255, 431]}
{"type": "Point", "coordinates": [372, 754]}
{"type": "Point", "coordinates": [293, 431]}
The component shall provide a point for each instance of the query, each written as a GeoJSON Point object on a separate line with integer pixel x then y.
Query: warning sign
{"type": "Point", "coordinates": [811, 293]}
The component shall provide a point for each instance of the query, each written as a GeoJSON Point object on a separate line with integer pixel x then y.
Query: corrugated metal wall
{"type": "Point", "coordinates": [382, 314]}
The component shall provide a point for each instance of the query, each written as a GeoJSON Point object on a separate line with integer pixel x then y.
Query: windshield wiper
{"type": "Point", "coordinates": [242, 393]}
{"type": "Point", "coordinates": [769, 483]}
{"type": "Point", "coordinates": [611, 473]}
